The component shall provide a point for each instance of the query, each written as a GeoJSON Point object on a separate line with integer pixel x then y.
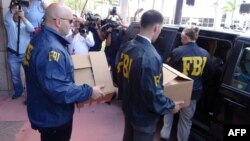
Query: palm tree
{"type": "Point", "coordinates": [111, 2]}
{"type": "Point", "coordinates": [78, 5]}
{"type": "Point", "coordinates": [74, 4]}
{"type": "Point", "coordinates": [230, 7]}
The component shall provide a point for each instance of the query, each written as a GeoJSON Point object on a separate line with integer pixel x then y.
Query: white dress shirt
{"type": "Point", "coordinates": [79, 44]}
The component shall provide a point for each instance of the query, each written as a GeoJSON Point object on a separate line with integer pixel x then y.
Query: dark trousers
{"type": "Point", "coordinates": [61, 133]}
{"type": "Point", "coordinates": [134, 133]}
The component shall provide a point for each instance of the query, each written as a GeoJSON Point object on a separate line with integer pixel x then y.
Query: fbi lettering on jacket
{"type": "Point", "coordinates": [124, 65]}
{"type": "Point", "coordinates": [198, 63]}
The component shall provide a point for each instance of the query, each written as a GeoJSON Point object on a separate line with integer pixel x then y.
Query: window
{"type": "Point", "coordinates": [184, 20]}
{"type": "Point", "coordinates": [223, 20]}
{"type": "Point", "coordinates": [166, 20]}
{"type": "Point", "coordinates": [241, 78]}
{"type": "Point", "coordinates": [207, 22]}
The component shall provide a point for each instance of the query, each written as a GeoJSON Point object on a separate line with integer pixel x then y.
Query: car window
{"type": "Point", "coordinates": [241, 77]}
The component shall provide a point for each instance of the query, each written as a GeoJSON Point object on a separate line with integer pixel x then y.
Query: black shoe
{"type": "Point", "coordinates": [15, 96]}
{"type": "Point", "coordinates": [113, 97]}
{"type": "Point", "coordinates": [108, 102]}
{"type": "Point", "coordinates": [163, 139]}
{"type": "Point", "coordinates": [25, 102]}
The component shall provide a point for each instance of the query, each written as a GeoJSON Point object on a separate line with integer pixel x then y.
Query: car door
{"type": "Point", "coordinates": [165, 42]}
{"type": "Point", "coordinates": [235, 87]}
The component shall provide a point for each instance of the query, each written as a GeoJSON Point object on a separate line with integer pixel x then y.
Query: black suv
{"type": "Point", "coordinates": [227, 100]}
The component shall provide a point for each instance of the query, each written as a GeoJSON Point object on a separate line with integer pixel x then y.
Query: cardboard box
{"type": "Point", "coordinates": [177, 86]}
{"type": "Point", "coordinates": [93, 69]}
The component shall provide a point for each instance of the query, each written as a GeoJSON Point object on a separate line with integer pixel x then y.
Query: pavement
{"type": "Point", "coordinates": [102, 122]}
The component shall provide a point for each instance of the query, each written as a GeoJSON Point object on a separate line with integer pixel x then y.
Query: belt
{"type": "Point", "coordinates": [12, 51]}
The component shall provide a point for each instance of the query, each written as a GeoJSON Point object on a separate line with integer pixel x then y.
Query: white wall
{"type": "Point", "coordinates": [5, 6]}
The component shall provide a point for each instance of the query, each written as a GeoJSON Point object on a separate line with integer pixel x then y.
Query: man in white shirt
{"type": "Point", "coordinates": [80, 39]}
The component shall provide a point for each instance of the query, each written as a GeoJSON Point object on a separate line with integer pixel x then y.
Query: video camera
{"type": "Point", "coordinates": [109, 23]}
{"type": "Point", "coordinates": [106, 24]}
{"type": "Point", "coordinates": [91, 19]}
{"type": "Point", "coordinates": [24, 3]}
{"type": "Point", "coordinates": [83, 29]}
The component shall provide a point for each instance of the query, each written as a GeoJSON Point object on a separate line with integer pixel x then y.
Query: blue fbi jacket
{"type": "Point", "coordinates": [140, 81]}
{"type": "Point", "coordinates": [51, 91]}
{"type": "Point", "coordinates": [194, 62]}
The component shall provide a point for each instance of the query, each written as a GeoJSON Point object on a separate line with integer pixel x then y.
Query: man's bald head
{"type": "Point", "coordinates": [58, 10]}
{"type": "Point", "coordinates": [55, 13]}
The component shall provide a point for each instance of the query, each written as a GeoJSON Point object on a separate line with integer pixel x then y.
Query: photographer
{"type": "Point", "coordinates": [113, 15]}
{"type": "Point", "coordinates": [97, 34]}
{"type": "Point", "coordinates": [115, 36]}
{"type": "Point", "coordinates": [81, 39]}
{"type": "Point", "coordinates": [114, 31]}
{"type": "Point", "coordinates": [15, 54]}
{"type": "Point", "coordinates": [34, 11]}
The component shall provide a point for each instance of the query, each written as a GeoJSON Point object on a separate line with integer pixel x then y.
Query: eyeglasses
{"type": "Point", "coordinates": [70, 20]}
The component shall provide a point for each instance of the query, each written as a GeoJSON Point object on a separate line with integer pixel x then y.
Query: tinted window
{"type": "Point", "coordinates": [241, 75]}
{"type": "Point", "coordinates": [164, 43]}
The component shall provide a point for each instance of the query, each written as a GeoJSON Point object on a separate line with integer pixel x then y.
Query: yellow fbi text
{"type": "Point", "coordinates": [28, 55]}
{"type": "Point", "coordinates": [124, 65]}
{"type": "Point", "coordinates": [157, 79]}
{"type": "Point", "coordinates": [197, 62]}
{"type": "Point", "coordinates": [53, 55]}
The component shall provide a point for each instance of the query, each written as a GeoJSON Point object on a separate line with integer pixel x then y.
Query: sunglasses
{"type": "Point", "coordinates": [70, 20]}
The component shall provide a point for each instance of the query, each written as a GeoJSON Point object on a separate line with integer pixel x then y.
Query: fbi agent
{"type": "Point", "coordinates": [51, 91]}
{"type": "Point", "coordinates": [194, 62]}
{"type": "Point", "coordinates": [140, 81]}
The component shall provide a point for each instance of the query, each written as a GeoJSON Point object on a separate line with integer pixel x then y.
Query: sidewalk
{"type": "Point", "coordinates": [101, 122]}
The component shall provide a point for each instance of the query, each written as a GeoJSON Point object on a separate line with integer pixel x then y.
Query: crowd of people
{"type": "Point", "coordinates": [49, 34]}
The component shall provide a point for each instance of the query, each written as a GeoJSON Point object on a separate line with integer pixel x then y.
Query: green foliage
{"type": "Point", "coordinates": [230, 6]}
{"type": "Point", "coordinates": [75, 4]}
{"type": "Point", "coordinates": [79, 4]}
{"type": "Point", "coordinates": [111, 2]}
